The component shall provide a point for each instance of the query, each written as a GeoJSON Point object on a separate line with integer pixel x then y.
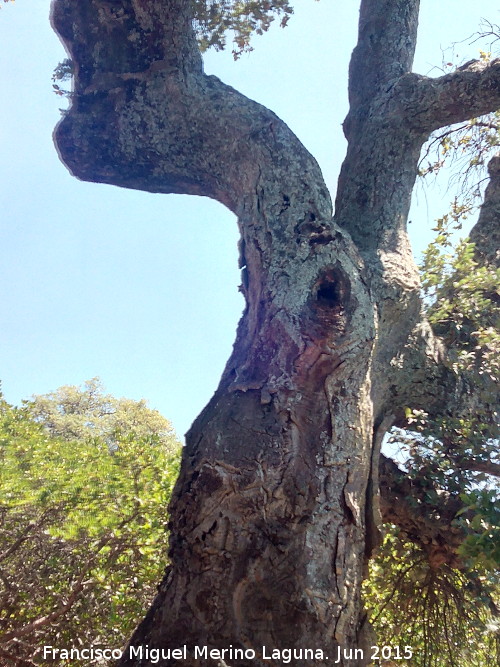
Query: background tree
{"type": "Point", "coordinates": [82, 521]}
{"type": "Point", "coordinates": [85, 412]}
{"type": "Point", "coordinates": [278, 491]}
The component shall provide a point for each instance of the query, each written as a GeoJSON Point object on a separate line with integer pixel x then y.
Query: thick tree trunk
{"type": "Point", "coordinates": [272, 516]}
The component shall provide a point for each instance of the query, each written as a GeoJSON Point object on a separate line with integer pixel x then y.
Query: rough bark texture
{"type": "Point", "coordinates": [486, 232]}
{"type": "Point", "coordinates": [272, 516]}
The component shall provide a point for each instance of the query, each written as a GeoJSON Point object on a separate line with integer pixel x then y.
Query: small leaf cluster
{"type": "Point", "coordinates": [62, 73]}
{"type": "Point", "coordinates": [482, 510]}
{"type": "Point", "coordinates": [214, 19]}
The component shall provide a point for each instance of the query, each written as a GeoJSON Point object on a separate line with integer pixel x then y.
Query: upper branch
{"type": "Point", "coordinates": [386, 46]}
{"type": "Point", "coordinates": [145, 116]}
{"type": "Point", "coordinates": [471, 91]}
{"type": "Point", "coordinates": [489, 467]}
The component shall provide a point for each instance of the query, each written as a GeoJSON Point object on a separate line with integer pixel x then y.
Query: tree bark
{"type": "Point", "coordinates": [273, 516]}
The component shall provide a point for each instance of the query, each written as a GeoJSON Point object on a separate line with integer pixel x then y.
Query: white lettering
{"type": "Point", "coordinates": [201, 652]}
{"type": "Point", "coordinates": [154, 655]}
{"type": "Point", "coordinates": [179, 653]}
{"type": "Point", "coordinates": [135, 652]}
{"type": "Point", "coordinates": [287, 655]}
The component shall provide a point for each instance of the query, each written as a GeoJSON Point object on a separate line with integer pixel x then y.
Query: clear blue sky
{"type": "Point", "coordinates": [141, 289]}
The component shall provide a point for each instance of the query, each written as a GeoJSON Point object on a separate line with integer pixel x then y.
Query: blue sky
{"type": "Point", "coordinates": [141, 289]}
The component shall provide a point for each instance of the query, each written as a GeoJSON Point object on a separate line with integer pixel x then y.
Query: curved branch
{"type": "Point", "coordinates": [470, 91]}
{"type": "Point", "coordinates": [145, 116]}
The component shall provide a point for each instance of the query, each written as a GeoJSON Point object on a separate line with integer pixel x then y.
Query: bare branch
{"type": "Point", "coordinates": [489, 467]}
{"type": "Point", "coordinates": [472, 90]}
{"type": "Point", "coordinates": [488, 29]}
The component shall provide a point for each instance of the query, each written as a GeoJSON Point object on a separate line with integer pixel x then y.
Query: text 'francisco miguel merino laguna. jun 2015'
{"type": "Point", "coordinates": [284, 655]}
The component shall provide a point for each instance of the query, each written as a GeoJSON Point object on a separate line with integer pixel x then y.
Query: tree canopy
{"type": "Point", "coordinates": [85, 481]}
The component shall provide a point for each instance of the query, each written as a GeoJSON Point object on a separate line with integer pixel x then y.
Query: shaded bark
{"type": "Point", "coordinates": [273, 513]}
{"type": "Point", "coordinates": [486, 232]}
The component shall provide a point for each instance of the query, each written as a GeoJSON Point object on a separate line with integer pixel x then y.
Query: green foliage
{"type": "Point", "coordinates": [214, 19]}
{"type": "Point", "coordinates": [74, 412]}
{"type": "Point", "coordinates": [463, 302]}
{"type": "Point", "coordinates": [445, 615]}
{"type": "Point", "coordinates": [463, 305]}
{"type": "Point", "coordinates": [83, 537]}
{"type": "Point", "coordinates": [62, 73]}
{"type": "Point", "coordinates": [449, 616]}
{"type": "Point", "coordinates": [482, 515]}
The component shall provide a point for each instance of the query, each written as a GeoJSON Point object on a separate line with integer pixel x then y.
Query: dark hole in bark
{"type": "Point", "coordinates": [330, 302]}
{"type": "Point", "coordinates": [328, 294]}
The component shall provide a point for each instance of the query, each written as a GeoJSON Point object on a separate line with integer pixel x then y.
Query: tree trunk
{"type": "Point", "coordinates": [272, 518]}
